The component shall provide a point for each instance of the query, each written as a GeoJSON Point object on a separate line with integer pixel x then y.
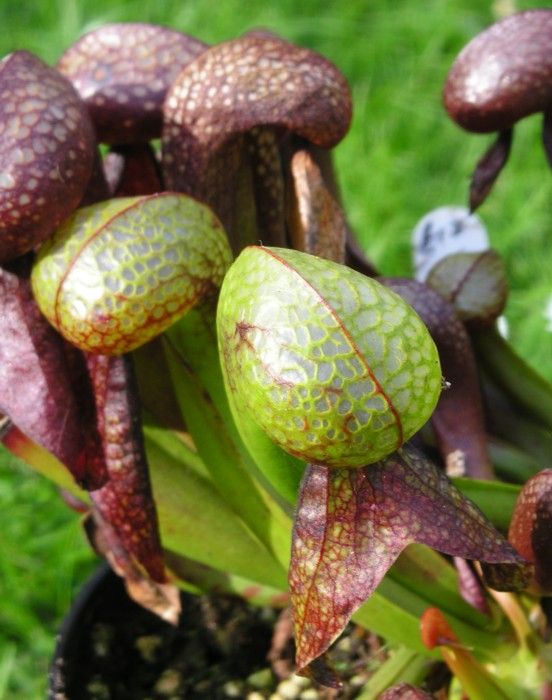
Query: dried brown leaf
{"type": "Point", "coordinates": [162, 599]}
{"type": "Point", "coordinates": [317, 221]}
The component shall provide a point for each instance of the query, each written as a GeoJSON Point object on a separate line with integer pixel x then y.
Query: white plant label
{"type": "Point", "coordinates": [445, 231]}
{"type": "Point", "coordinates": [548, 314]}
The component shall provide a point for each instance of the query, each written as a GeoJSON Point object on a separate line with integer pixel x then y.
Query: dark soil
{"type": "Point", "coordinates": [219, 651]}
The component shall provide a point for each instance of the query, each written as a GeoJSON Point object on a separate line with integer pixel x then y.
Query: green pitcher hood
{"type": "Point", "coordinates": [334, 367]}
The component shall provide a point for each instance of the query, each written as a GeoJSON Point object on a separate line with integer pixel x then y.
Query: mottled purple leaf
{"type": "Point", "coordinates": [470, 586]}
{"type": "Point", "coordinates": [38, 381]}
{"type": "Point", "coordinates": [530, 531]}
{"type": "Point", "coordinates": [458, 419]}
{"type": "Point", "coordinates": [46, 152]}
{"type": "Point", "coordinates": [405, 691]}
{"type": "Point", "coordinates": [490, 85]}
{"type": "Point", "coordinates": [123, 71]}
{"type": "Point", "coordinates": [238, 85]}
{"type": "Point", "coordinates": [126, 501]}
{"type": "Point", "coordinates": [351, 525]}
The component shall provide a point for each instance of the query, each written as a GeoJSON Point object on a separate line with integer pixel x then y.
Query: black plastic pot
{"type": "Point", "coordinates": [111, 648]}
{"type": "Point", "coordinates": [64, 677]}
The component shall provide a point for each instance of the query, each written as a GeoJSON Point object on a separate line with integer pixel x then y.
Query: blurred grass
{"type": "Point", "coordinates": [43, 558]}
{"type": "Point", "coordinates": [402, 158]}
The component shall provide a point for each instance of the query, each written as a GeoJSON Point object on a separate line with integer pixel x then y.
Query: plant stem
{"type": "Point", "coordinates": [194, 365]}
{"type": "Point", "coordinates": [188, 505]}
{"type": "Point", "coordinates": [511, 464]}
{"type": "Point", "coordinates": [514, 376]}
{"type": "Point", "coordinates": [402, 666]}
{"type": "Point", "coordinates": [514, 612]}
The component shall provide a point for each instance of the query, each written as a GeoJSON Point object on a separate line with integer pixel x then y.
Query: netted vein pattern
{"type": "Point", "coordinates": [123, 71]}
{"type": "Point", "coordinates": [117, 274]}
{"type": "Point", "coordinates": [335, 368]}
{"type": "Point", "coordinates": [46, 152]}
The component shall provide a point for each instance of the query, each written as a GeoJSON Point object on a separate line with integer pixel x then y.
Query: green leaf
{"type": "Point", "coordinates": [394, 611]}
{"type": "Point", "coordinates": [200, 578]}
{"type": "Point", "coordinates": [494, 498]}
{"type": "Point", "coordinates": [475, 679]}
{"type": "Point", "coordinates": [402, 666]}
{"type": "Point", "coordinates": [526, 387]}
{"type": "Point", "coordinates": [194, 519]}
{"type": "Point", "coordinates": [174, 444]}
{"type": "Point", "coordinates": [195, 370]}
{"type": "Point", "coordinates": [423, 571]}
{"type": "Point", "coordinates": [197, 522]}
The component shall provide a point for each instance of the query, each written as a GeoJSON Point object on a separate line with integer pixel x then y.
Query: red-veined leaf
{"type": "Point", "coordinates": [474, 284]}
{"type": "Point", "coordinates": [126, 501]}
{"type": "Point", "coordinates": [162, 599]}
{"type": "Point", "coordinates": [351, 525]}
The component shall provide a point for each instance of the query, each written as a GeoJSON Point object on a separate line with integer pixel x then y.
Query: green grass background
{"type": "Point", "coordinates": [402, 158]}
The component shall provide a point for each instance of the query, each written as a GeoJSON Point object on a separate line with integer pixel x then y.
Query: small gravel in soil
{"type": "Point", "coordinates": [218, 652]}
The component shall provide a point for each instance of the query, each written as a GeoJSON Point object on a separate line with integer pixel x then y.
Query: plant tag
{"type": "Point", "coordinates": [445, 231]}
{"type": "Point", "coordinates": [548, 314]}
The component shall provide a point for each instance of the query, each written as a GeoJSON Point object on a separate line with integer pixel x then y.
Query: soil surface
{"type": "Point", "coordinates": [223, 648]}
